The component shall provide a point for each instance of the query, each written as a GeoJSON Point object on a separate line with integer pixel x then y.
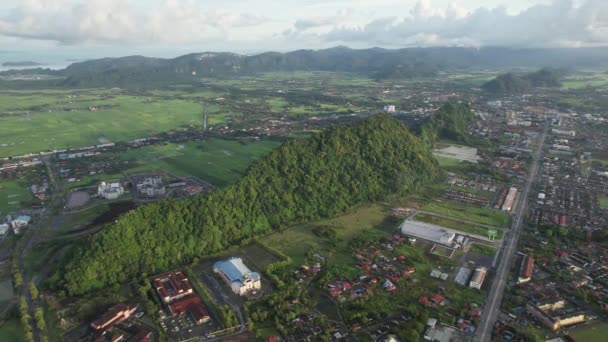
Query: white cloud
{"type": "Point", "coordinates": [560, 23]}
{"type": "Point", "coordinates": [289, 24]}
{"type": "Point", "coordinates": [120, 21]}
{"type": "Point", "coordinates": [341, 16]}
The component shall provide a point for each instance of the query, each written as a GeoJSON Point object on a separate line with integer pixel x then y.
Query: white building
{"type": "Point", "coordinates": [110, 191]}
{"type": "Point", "coordinates": [510, 199]}
{"type": "Point", "coordinates": [478, 277]}
{"type": "Point", "coordinates": [390, 108]}
{"type": "Point", "coordinates": [238, 276]}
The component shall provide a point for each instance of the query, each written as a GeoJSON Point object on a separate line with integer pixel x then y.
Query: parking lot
{"type": "Point", "coordinates": [184, 327]}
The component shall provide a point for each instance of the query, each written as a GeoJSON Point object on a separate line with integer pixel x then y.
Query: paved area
{"type": "Point", "coordinates": [492, 307]}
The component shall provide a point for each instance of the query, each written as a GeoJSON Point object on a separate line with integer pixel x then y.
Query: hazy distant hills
{"type": "Point", "coordinates": [21, 64]}
{"type": "Point", "coordinates": [514, 83]}
{"type": "Point", "coordinates": [375, 62]}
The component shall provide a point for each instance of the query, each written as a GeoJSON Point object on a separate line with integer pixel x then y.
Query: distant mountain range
{"type": "Point", "coordinates": [21, 64]}
{"type": "Point", "coordinates": [375, 62]}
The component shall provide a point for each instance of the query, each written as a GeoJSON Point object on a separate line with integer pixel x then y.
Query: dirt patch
{"type": "Point", "coordinates": [77, 199]}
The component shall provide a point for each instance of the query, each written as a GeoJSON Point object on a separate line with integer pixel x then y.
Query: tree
{"type": "Point", "coordinates": [33, 290]}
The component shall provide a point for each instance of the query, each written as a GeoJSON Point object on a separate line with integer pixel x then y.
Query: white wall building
{"type": "Point", "coordinates": [390, 108]}
{"type": "Point", "coordinates": [110, 191]}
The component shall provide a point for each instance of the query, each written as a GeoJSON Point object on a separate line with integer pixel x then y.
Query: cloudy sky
{"type": "Point", "coordinates": [177, 26]}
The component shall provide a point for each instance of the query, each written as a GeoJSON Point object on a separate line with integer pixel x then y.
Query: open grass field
{"type": "Point", "coordinates": [42, 121]}
{"type": "Point", "coordinates": [483, 249]}
{"type": "Point", "coordinates": [11, 195]}
{"type": "Point", "coordinates": [473, 214]}
{"type": "Point", "coordinates": [11, 330]}
{"type": "Point", "coordinates": [296, 241]}
{"type": "Point", "coordinates": [217, 161]}
{"type": "Point", "coordinates": [603, 201]}
{"type": "Point", "coordinates": [595, 332]}
{"type": "Point", "coordinates": [457, 225]}
{"type": "Point", "coordinates": [257, 255]}
{"type": "Point", "coordinates": [6, 291]}
{"type": "Point", "coordinates": [584, 80]}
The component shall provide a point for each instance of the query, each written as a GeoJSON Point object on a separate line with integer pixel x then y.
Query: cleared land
{"type": "Point", "coordinates": [603, 201]}
{"type": "Point", "coordinates": [459, 211]}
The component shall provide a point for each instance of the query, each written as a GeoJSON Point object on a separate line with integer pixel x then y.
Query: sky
{"type": "Point", "coordinates": [171, 27]}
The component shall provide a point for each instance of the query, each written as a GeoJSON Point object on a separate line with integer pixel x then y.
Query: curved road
{"type": "Point", "coordinates": [492, 307]}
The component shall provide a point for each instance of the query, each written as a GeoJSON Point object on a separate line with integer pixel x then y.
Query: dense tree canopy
{"type": "Point", "coordinates": [300, 181]}
{"type": "Point", "coordinates": [450, 122]}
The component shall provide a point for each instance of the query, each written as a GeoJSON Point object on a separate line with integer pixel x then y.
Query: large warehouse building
{"type": "Point", "coordinates": [238, 276]}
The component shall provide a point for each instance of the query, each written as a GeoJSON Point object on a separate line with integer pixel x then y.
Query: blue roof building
{"type": "Point", "coordinates": [238, 276]}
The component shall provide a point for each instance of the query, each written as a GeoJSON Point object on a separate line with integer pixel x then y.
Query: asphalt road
{"type": "Point", "coordinates": [492, 307]}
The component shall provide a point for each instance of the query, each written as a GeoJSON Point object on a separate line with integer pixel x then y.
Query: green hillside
{"type": "Point", "coordinates": [302, 180]}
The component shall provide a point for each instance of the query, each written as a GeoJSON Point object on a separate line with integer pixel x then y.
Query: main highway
{"type": "Point", "coordinates": [492, 306]}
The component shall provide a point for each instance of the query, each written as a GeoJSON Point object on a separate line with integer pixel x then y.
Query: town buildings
{"type": "Point", "coordinates": [554, 315]}
{"type": "Point", "coordinates": [176, 292]}
{"type": "Point", "coordinates": [150, 186]}
{"type": "Point", "coordinates": [114, 315]}
{"type": "Point", "coordinates": [526, 269]}
{"type": "Point", "coordinates": [171, 286]}
{"type": "Point", "coordinates": [238, 276]}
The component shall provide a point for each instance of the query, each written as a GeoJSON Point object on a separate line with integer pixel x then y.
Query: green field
{"type": "Point", "coordinates": [297, 240]}
{"type": "Point", "coordinates": [483, 249]}
{"type": "Point", "coordinates": [217, 161]}
{"type": "Point", "coordinates": [12, 194]}
{"type": "Point", "coordinates": [473, 214]}
{"type": "Point", "coordinates": [584, 80]}
{"type": "Point", "coordinates": [42, 121]}
{"type": "Point", "coordinates": [463, 227]}
{"type": "Point", "coordinates": [11, 330]}
{"type": "Point", "coordinates": [595, 332]}
{"type": "Point", "coordinates": [603, 201]}
{"type": "Point", "coordinates": [6, 291]}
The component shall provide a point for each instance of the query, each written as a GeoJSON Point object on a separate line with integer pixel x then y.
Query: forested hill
{"type": "Point", "coordinates": [513, 83]}
{"type": "Point", "coordinates": [302, 180]}
{"type": "Point", "coordinates": [450, 122]}
{"type": "Point", "coordinates": [139, 71]}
